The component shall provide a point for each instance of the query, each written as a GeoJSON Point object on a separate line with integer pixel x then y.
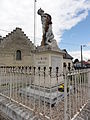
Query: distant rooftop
{"type": "Point", "coordinates": [67, 56]}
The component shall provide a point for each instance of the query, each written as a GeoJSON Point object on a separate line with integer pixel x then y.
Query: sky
{"type": "Point", "coordinates": [75, 37]}
{"type": "Point", "coordinates": [70, 20]}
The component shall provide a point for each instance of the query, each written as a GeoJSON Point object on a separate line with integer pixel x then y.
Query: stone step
{"type": "Point", "coordinates": [15, 111]}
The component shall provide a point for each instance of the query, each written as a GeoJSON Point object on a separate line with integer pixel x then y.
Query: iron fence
{"type": "Point", "coordinates": [49, 93]}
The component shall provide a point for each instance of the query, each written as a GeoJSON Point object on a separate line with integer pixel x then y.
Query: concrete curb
{"type": "Point", "coordinates": [14, 111]}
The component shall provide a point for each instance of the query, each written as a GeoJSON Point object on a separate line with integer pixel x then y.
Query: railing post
{"type": "Point", "coordinates": [44, 91]}
{"type": "Point", "coordinates": [0, 79]}
{"type": "Point", "coordinates": [69, 84]}
{"type": "Point", "coordinates": [50, 69]}
{"type": "Point", "coordinates": [65, 96]}
{"type": "Point", "coordinates": [39, 87]}
{"type": "Point", "coordinates": [10, 82]}
{"type": "Point", "coordinates": [34, 70]}
{"type": "Point", "coordinates": [76, 92]}
{"type": "Point", "coordinates": [88, 85]}
{"type": "Point", "coordinates": [57, 68]}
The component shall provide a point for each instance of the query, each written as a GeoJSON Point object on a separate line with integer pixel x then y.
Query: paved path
{"type": "Point", "coordinates": [85, 113]}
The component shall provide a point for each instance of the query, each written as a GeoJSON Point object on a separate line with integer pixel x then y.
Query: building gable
{"type": "Point", "coordinates": [17, 40]}
{"type": "Point", "coordinates": [16, 49]}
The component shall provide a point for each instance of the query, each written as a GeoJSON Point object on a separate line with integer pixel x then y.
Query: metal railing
{"type": "Point", "coordinates": [49, 93]}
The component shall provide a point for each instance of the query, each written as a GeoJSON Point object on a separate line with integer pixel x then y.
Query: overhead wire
{"type": "Point", "coordinates": [4, 30]}
{"type": "Point", "coordinates": [74, 44]}
{"type": "Point", "coordinates": [10, 31]}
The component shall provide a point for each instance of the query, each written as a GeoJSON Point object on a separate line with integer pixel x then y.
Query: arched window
{"type": "Point", "coordinates": [18, 55]}
{"type": "Point", "coordinates": [69, 66]}
{"type": "Point", "coordinates": [64, 64]}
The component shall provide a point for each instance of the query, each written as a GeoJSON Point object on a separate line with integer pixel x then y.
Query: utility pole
{"type": "Point", "coordinates": [34, 27]}
{"type": "Point", "coordinates": [82, 55]}
{"type": "Point", "coordinates": [35, 21]}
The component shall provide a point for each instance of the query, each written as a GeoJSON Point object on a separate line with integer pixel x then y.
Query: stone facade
{"type": "Point", "coordinates": [16, 49]}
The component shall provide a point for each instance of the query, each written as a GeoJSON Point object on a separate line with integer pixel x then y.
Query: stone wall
{"type": "Point", "coordinates": [14, 41]}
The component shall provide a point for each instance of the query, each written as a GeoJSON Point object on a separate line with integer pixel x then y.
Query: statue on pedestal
{"type": "Point", "coordinates": [46, 20]}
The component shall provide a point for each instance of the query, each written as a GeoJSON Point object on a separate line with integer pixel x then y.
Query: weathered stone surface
{"type": "Point", "coordinates": [3, 116]}
{"type": "Point", "coordinates": [47, 37]}
{"type": "Point", "coordinates": [15, 111]}
{"type": "Point", "coordinates": [49, 95]}
{"type": "Point", "coordinates": [47, 56]}
{"type": "Point", "coordinates": [14, 41]}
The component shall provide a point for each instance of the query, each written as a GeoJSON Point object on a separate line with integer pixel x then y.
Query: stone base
{"type": "Point", "coordinates": [14, 111]}
{"type": "Point", "coordinates": [44, 94]}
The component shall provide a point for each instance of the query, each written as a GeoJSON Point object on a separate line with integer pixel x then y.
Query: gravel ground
{"type": "Point", "coordinates": [85, 113]}
{"type": "Point", "coordinates": [4, 116]}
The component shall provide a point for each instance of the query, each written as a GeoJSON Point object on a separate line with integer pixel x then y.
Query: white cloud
{"type": "Point", "coordinates": [88, 44]}
{"type": "Point", "coordinates": [65, 15]}
{"type": "Point", "coordinates": [77, 54]}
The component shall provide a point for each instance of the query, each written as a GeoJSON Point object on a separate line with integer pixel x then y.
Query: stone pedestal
{"type": "Point", "coordinates": [45, 83]}
{"type": "Point", "coordinates": [46, 56]}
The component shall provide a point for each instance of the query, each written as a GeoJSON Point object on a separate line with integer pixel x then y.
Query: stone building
{"type": "Point", "coordinates": [16, 49]}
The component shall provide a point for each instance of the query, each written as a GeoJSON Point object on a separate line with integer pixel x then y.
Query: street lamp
{"type": "Point", "coordinates": [82, 55]}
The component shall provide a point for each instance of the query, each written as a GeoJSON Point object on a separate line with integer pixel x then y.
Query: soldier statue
{"type": "Point", "coordinates": [46, 27]}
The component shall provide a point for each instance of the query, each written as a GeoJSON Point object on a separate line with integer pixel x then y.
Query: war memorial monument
{"type": "Point", "coordinates": [49, 58]}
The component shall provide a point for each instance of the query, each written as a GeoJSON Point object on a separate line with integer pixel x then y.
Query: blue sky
{"type": "Point", "coordinates": [78, 35]}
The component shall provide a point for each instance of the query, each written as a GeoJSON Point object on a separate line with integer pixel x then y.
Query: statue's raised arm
{"type": "Point", "coordinates": [46, 27]}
